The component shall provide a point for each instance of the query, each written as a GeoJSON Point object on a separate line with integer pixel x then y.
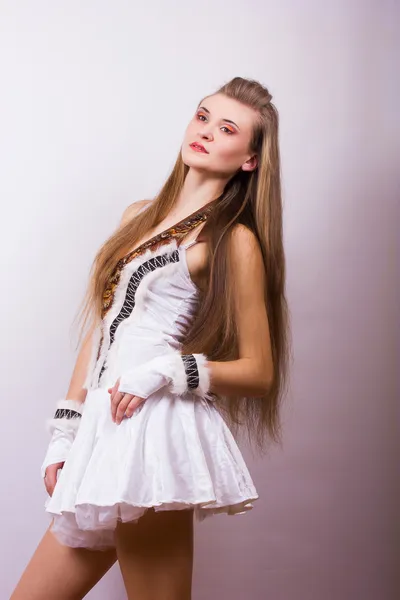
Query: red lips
{"type": "Point", "coordinates": [198, 147]}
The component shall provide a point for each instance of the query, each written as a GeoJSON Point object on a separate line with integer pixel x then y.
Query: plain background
{"type": "Point", "coordinates": [94, 100]}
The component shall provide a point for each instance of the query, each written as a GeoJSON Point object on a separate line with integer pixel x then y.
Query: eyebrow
{"type": "Point", "coordinates": [226, 120]}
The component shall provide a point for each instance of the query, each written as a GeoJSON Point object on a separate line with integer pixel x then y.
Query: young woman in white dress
{"type": "Point", "coordinates": [187, 346]}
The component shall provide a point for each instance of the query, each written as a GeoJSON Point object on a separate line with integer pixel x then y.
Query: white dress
{"type": "Point", "coordinates": [175, 452]}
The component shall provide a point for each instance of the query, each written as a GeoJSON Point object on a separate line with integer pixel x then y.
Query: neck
{"type": "Point", "coordinates": [199, 189]}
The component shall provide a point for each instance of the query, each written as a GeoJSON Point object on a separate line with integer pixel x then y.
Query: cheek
{"type": "Point", "coordinates": [230, 151]}
{"type": "Point", "coordinates": [190, 131]}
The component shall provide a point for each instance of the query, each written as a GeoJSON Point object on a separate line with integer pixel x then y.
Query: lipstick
{"type": "Point", "coordinates": [198, 147]}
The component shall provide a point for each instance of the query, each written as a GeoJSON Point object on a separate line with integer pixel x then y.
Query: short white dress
{"type": "Point", "coordinates": [175, 452]}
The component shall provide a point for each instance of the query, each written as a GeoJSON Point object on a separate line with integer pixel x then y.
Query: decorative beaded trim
{"type": "Point", "coordinates": [129, 302]}
{"type": "Point", "coordinates": [191, 370]}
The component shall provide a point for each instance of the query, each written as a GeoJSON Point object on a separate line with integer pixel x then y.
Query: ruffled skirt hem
{"type": "Point", "coordinates": [174, 453]}
{"type": "Point", "coordinates": [102, 537]}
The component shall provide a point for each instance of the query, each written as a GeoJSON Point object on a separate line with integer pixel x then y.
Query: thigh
{"type": "Point", "coordinates": [155, 555]}
{"type": "Point", "coordinates": [58, 572]}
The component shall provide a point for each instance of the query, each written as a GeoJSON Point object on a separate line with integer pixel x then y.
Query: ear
{"type": "Point", "coordinates": [250, 164]}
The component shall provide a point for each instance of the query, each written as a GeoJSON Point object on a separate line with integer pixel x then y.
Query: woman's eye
{"type": "Point", "coordinates": [201, 117]}
{"type": "Point", "coordinates": [227, 130]}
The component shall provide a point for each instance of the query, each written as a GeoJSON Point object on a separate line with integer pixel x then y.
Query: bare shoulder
{"type": "Point", "coordinates": [245, 249]}
{"type": "Point", "coordinates": [243, 236]}
{"type": "Point", "coordinates": [132, 210]}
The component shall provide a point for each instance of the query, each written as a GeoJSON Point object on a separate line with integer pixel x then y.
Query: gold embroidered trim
{"type": "Point", "coordinates": [179, 230]}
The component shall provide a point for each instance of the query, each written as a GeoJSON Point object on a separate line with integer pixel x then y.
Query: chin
{"type": "Point", "coordinates": [191, 159]}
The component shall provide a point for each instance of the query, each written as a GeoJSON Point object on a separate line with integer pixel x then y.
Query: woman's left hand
{"type": "Point", "coordinates": [122, 404]}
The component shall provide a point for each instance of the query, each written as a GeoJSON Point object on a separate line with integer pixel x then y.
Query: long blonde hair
{"type": "Point", "coordinates": [254, 200]}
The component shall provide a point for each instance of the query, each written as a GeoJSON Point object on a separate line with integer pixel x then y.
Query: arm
{"type": "Point", "coordinates": [64, 424]}
{"type": "Point", "coordinates": [76, 389]}
{"type": "Point", "coordinates": [251, 374]}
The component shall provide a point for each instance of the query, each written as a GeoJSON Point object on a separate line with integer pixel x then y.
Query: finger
{"type": "Point", "coordinates": [50, 482]}
{"type": "Point", "coordinates": [114, 389]}
{"type": "Point", "coordinates": [122, 406]}
{"type": "Point", "coordinates": [116, 402]}
{"type": "Point", "coordinates": [133, 405]}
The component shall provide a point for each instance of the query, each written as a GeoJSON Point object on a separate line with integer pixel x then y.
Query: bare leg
{"type": "Point", "coordinates": [156, 555]}
{"type": "Point", "coordinates": [58, 572]}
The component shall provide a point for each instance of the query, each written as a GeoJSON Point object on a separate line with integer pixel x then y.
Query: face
{"type": "Point", "coordinates": [217, 139]}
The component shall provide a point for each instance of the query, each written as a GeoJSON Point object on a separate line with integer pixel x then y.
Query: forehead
{"type": "Point", "coordinates": [222, 107]}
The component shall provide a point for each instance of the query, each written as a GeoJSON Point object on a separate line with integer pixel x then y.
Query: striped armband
{"type": "Point", "coordinates": [67, 415]}
{"type": "Point", "coordinates": [192, 375]}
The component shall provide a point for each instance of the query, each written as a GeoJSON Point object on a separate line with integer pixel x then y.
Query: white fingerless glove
{"type": "Point", "coordinates": [62, 427]}
{"type": "Point", "coordinates": [181, 373]}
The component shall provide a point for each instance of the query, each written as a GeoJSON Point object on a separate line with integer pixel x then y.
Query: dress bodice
{"type": "Point", "coordinates": [153, 305]}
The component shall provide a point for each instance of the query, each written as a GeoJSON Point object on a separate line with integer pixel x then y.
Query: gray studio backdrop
{"type": "Point", "coordinates": [94, 100]}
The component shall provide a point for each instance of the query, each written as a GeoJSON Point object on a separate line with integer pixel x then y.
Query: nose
{"type": "Point", "coordinates": [206, 134]}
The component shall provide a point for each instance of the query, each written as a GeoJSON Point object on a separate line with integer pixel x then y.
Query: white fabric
{"type": "Point", "coordinates": [63, 432]}
{"type": "Point", "coordinates": [158, 372]}
{"type": "Point", "coordinates": [175, 452]}
{"type": "Point", "coordinates": [166, 370]}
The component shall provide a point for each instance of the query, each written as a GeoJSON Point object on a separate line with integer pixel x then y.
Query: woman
{"type": "Point", "coordinates": [187, 345]}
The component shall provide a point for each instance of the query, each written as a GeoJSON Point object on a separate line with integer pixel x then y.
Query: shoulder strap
{"type": "Point", "coordinates": [189, 244]}
{"type": "Point", "coordinates": [145, 205]}
{"type": "Point", "coordinates": [192, 242]}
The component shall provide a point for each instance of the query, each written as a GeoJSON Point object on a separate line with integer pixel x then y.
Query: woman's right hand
{"type": "Point", "coordinates": [50, 478]}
